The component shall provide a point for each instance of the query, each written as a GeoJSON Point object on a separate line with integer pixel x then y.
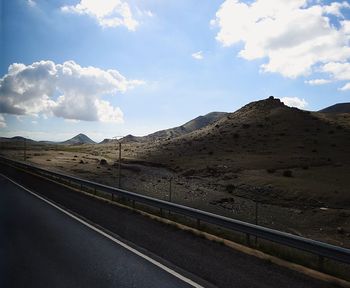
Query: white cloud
{"type": "Point", "coordinates": [198, 55]}
{"type": "Point", "coordinates": [108, 13]}
{"type": "Point", "coordinates": [64, 90]}
{"type": "Point", "coordinates": [149, 13]}
{"type": "Point", "coordinates": [294, 102]}
{"type": "Point", "coordinates": [2, 121]}
{"type": "Point", "coordinates": [31, 3]}
{"type": "Point", "coordinates": [346, 87]}
{"type": "Point", "coordinates": [315, 82]}
{"type": "Point", "coordinates": [108, 113]}
{"type": "Point", "coordinates": [339, 72]}
{"type": "Point", "coordinates": [296, 37]}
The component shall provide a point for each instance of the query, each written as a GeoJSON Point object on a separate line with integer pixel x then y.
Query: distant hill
{"type": "Point", "coordinates": [190, 126]}
{"type": "Point", "coordinates": [15, 139]}
{"type": "Point", "coordinates": [337, 108]}
{"type": "Point", "coordinates": [105, 141]}
{"type": "Point", "coordinates": [79, 139]}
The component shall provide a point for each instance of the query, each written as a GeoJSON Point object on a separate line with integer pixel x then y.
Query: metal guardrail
{"type": "Point", "coordinates": [323, 250]}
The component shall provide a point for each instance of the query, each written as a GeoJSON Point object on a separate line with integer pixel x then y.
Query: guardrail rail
{"type": "Point", "coordinates": [321, 249]}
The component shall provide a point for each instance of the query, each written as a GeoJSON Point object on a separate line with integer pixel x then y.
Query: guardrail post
{"type": "Point", "coordinates": [248, 239]}
{"type": "Point", "coordinates": [112, 196]}
{"type": "Point", "coordinates": [133, 204]}
{"type": "Point", "coordinates": [161, 212]}
{"type": "Point", "coordinates": [320, 263]}
{"type": "Point", "coordinates": [198, 223]}
{"type": "Point", "coordinates": [94, 190]}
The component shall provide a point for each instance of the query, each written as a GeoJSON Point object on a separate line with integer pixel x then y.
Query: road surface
{"type": "Point", "coordinates": [41, 246]}
{"type": "Point", "coordinates": [195, 256]}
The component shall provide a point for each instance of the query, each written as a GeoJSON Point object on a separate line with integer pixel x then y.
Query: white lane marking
{"type": "Point", "coordinates": [149, 259]}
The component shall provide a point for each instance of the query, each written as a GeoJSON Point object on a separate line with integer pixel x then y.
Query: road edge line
{"type": "Point", "coordinates": [120, 243]}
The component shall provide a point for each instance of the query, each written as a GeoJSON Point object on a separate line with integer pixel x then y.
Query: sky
{"type": "Point", "coordinates": [115, 67]}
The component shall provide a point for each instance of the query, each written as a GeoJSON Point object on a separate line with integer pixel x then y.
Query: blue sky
{"type": "Point", "coordinates": [134, 67]}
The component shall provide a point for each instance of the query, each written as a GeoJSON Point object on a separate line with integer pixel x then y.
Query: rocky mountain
{"type": "Point", "coordinates": [266, 142]}
{"type": "Point", "coordinates": [337, 108]}
{"type": "Point", "coordinates": [78, 139]}
{"type": "Point", "coordinates": [190, 126]}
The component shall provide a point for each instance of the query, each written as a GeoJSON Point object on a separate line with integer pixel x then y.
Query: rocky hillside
{"type": "Point", "coordinates": [78, 139]}
{"type": "Point", "coordinates": [190, 126]}
{"type": "Point", "coordinates": [267, 142]}
{"type": "Point", "coordinates": [337, 108]}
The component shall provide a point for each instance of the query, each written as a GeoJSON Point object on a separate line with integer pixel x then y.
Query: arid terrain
{"type": "Point", "coordinates": [293, 164]}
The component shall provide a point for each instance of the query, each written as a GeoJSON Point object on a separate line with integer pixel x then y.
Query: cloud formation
{"type": "Point", "coordinates": [31, 3]}
{"type": "Point", "coordinates": [315, 82]}
{"type": "Point", "coordinates": [64, 90]}
{"type": "Point", "coordinates": [294, 102]}
{"type": "Point", "coordinates": [198, 55]}
{"type": "Point", "coordinates": [108, 13]}
{"type": "Point", "coordinates": [2, 121]}
{"type": "Point", "coordinates": [296, 37]}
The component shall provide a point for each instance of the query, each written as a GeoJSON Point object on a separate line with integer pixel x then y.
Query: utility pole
{"type": "Point", "coordinates": [256, 219]}
{"type": "Point", "coordinates": [119, 164]}
{"type": "Point", "coordinates": [119, 158]}
{"type": "Point", "coordinates": [170, 190]}
{"type": "Point", "coordinates": [25, 150]}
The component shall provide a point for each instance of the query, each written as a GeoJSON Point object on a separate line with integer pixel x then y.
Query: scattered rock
{"type": "Point", "coordinates": [340, 230]}
{"type": "Point", "coordinates": [103, 162]}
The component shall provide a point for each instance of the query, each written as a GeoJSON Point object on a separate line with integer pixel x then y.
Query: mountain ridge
{"type": "Point", "coordinates": [78, 139]}
{"type": "Point", "coordinates": [337, 108]}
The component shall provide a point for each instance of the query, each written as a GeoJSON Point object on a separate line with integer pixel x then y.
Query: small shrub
{"type": "Point", "coordinates": [187, 173]}
{"type": "Point", "coordinates": [230, 188]}
{"type": "Point", "coordinates": [271, 170]}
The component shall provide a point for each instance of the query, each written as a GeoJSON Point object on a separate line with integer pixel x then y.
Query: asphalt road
{"type": "Point", "coordinates": [40, 246]}
{"type": "Point", "coordinates": [196, 257]}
